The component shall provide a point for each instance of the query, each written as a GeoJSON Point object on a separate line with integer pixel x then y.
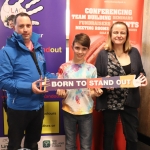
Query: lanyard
{"type": "Point", "coordinates": [35, 61]}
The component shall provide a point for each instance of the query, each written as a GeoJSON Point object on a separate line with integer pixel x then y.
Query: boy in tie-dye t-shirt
{"type": "Point", "coordinates": [77, 104]}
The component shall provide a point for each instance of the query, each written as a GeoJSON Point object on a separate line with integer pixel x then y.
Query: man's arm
{"type": "Point", "coordinates": [7, 80]}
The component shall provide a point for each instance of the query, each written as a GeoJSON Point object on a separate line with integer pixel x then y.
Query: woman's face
{"type": "Point", "coordinates": [119, 34]}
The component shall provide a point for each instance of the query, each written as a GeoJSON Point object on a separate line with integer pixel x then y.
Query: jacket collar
{"type": "Point", "coordinates": [18, 38]}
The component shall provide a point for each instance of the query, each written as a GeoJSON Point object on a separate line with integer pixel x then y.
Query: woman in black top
{"type": "Point", "coordinates": [117, 59]}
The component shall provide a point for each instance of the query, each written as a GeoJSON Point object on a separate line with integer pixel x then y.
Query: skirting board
{"type": "Point", "coordinates": [143, 138]}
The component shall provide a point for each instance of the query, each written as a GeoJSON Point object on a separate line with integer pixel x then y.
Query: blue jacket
{"type": "Point", "coordinates": [18, 71]}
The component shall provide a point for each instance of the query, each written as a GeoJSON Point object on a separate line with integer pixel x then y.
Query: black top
{"type": "Point", "coordinates": [127, 69]}
{"type": "Point", "coordinates": [133, 98]}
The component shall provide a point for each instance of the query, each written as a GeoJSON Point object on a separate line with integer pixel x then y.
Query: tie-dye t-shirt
{"type": "Point", "coordinates": [78, 101]}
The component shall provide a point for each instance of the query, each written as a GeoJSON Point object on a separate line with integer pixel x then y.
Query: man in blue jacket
{"type": "Point", "coordinates": [22, 64]}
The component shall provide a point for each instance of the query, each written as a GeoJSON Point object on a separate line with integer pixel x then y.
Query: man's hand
{"type": "Point", "coordinates": [35, 88]}
{"type": "Point", "coordinates": [7, 10]}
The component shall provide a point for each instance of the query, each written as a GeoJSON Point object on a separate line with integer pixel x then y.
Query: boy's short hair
{"type": "Point", "coordinates": [82, 39]}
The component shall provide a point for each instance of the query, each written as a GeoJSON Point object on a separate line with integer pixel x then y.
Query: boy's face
{"type": "Point", "coordinates": [79, 52]}
{"type": "Point", "coordinates": [10, 24]}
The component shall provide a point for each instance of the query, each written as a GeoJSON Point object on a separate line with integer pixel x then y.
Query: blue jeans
{"type": "Point", "coordinates": [84, 124]}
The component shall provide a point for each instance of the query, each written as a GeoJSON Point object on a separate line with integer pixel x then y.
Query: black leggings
{"type": "Point", "coordinates": [129, 118]}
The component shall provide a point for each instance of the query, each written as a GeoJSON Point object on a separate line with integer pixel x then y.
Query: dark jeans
{"type": "Point", "coordinates": [20, 121]}
{"type": "Point", "coordinates": [129, 118]}
{"type": "Point", "coordinates": [84, 123]}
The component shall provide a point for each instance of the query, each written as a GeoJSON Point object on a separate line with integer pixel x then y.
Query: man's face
{"type": "Point", "coordinates": [23, 26]}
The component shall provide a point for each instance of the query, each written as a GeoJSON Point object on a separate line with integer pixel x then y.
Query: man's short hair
{"type": "Point", "coordinates": [22, 14]}
{"type": "Point", "coordinates": [10, 18]}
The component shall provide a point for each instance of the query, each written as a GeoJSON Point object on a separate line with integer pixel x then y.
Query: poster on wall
{"type": "Point", "coordinates": [48, 20]}
{"type": "Point", "coordinates": [95, 18]}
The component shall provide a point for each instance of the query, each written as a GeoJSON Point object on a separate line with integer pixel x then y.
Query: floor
{"type": "Point", "coordinates": [142, 146]}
